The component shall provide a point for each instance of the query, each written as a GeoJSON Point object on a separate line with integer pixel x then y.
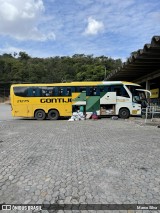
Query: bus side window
{"type": "Point", "coordinates": [21, 91]}
{"type": "Point", "coordinates": [61, 91]}
{"type": "Point", "coordinates": [125, 93]}
{"type": "Point", "coordinates": [68, 91]}
{"type": "Point", "coordinates": [49, 91]}
{"type": "Point", "coordinates": [82, 89]}
{"type": "Point", "coordinates": [92, 91]}
{"type": "Point", "coordinates": [104, 89]}
{"type": "Point", "coordinates": [77, 89]}
{"type": "Point", "coordinates": [38, 92]}
{"type": "Point", "coordinates": [109, 89]}
{"type": "Point", "coordinates": [101, 89]}
{"type": "Point", "coordinates": [30, 93]}
{"type": "Point", "coordinates": [118, 90]}
{"type": "Point", "coordinates": [43, 91]}
{"type": "Point", "coordinates": [72, 89]}
{"type": "Point", "coordinates": [88, 91]}
{"type": "Point", "coordinates": [34, 91]}
{"type": "Point", "coordinates": [97, 91]}
{"type": "Point", "coordinates": [54, 91]}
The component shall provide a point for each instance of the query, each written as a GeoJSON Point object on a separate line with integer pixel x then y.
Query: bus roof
{"type": "Point", "coordinates": [85, 83]}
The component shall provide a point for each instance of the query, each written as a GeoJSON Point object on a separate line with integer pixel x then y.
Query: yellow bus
{"type": "Point", "coordinates": [52, 101]}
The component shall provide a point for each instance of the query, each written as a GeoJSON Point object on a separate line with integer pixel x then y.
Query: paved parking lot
{"type": "Point", "coordinates": [5, 112]}
{"type": "Point", "coordinates": [105, 161]}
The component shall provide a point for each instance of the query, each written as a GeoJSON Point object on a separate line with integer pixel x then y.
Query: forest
{"type": "Point", "coordinates": [22, 68]}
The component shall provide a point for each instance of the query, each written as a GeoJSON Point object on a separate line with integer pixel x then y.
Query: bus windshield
{"type": "Point", "coordinates": [137, 95]}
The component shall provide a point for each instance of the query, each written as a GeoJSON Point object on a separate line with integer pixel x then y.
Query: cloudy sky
{"type": "Point", "coordinates": [48, 28]}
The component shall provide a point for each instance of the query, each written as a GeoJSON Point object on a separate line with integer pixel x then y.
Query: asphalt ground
{"type": "Point", "coordinates": [82, 162]}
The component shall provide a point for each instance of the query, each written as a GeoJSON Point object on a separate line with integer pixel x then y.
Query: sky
{"type": "Point", "coordinates": [49, 28]}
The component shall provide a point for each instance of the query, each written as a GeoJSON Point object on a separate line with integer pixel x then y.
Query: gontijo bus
{"type": "Point", "coordinates": [59, 99]}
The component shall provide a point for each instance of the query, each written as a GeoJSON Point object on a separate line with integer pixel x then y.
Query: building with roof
{"type": "Point", "coordinates": [142, 67]}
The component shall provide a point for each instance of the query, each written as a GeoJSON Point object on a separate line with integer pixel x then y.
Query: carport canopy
{"type": "Point", "coordinates": [143, 62]}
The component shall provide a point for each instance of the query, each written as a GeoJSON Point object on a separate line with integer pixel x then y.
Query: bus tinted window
{"type": "Point", "coordinates": [64, 91]}
{"type": "Point", "coordinates": [54, 91]}
{"type": "Point", "coordinates": [47, 91]}
{"type": "Point", "coordinates": [109, 88]}
{"type": "Point", "coordinates": [21, 91]}
{"type": "Point", "coordinates": [80, 89]}
{"type": "Point", "coordinates": [92, 91]}
{"type": "Point", "coordinates": [68, 91]}
{"type": "Point", "coordinates": [61, 91]}
{"type": "Point", "coordinates": [120, 91]}
{"type": "Point", "coordinates": [105, 88]}
{"type": "Point", "coordinates": [33, 91]}
{"type": "Point", "coordinates": [125, 93]}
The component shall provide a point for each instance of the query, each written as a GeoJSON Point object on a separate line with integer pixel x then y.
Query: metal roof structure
{"type": "Point", "coordinates": [142, 62]}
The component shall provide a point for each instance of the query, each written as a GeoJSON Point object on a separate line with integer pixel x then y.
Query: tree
{"type": "Point", "coordinates": [23, 56]}
{"type": "Point", "coordinates": [79, 67]}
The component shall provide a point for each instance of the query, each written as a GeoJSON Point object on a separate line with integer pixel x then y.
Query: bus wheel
{"type": "Point", "coordinates": [40, 115]}
{"type": "Point", "coordinates": [53, 114]}
{"type": "Point", "coordinates": [124, 113]}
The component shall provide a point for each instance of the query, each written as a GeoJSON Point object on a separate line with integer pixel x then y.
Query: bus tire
{"type": "Point", "coordinates": [124, 113]}
{"type": "Point", "coordinates": [39, 114]}
{"type": "Point", "coordinates": [53, 114]}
